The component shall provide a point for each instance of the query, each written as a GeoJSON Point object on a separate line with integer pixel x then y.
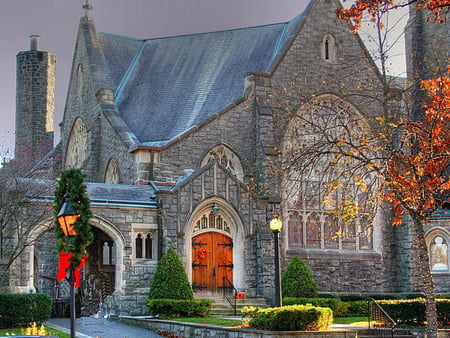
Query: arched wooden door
{"type": "Point", "coordinates": [212, 262]}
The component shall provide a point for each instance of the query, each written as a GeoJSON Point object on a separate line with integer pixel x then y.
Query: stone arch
{"type": "Point", "coordinates": [98, 222]}
{"type": "Point", "coordinates": [237, 234]}
{"type": "Point", "coordinates": [227, 158]}
{"type": "Point", "coordinates": [119, 240]}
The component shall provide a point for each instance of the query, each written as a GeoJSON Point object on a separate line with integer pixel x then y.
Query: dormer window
{"type": "Point", "coordinates": [329, 48]}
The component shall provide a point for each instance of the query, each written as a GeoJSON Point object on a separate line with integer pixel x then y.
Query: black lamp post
{"type": "Point", "coordinates": [276, 225]}
{"type": "Point", "coordinates": [66, 219]}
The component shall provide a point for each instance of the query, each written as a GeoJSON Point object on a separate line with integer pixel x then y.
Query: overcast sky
{"type": "Point", "coordinates": [56, 21]}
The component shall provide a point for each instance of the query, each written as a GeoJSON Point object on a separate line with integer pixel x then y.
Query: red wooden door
{"type": "Point", "coordinates": [212, 260]}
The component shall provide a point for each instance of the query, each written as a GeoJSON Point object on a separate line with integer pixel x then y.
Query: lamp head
{"type": "Point", "coordinates": [66, 219]}
{"type": "Point", "coordinates": [275, 224]}
{"type": "Point", "coordinates": [215, 209]}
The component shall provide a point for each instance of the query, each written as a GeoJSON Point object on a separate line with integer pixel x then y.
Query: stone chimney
{"type": "Point", "coordinates": [35, 97]}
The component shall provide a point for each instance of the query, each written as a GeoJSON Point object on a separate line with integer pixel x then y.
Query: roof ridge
{"type": "Point", "coordinates": [198, 33]}
{"type": "Point", "coordinates": [130, 69]}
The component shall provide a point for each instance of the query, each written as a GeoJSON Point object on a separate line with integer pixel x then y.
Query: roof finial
{"type": "Point", "coordinates": [87, 7]}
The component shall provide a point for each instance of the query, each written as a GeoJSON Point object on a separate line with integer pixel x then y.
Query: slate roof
{"type": "Point", "coordinates": [100, 194]}
{"type": "Point", "coordinates": [166, 86]}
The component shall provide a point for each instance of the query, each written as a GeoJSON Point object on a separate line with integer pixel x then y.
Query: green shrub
{"type": "Point", "coordinates": [338, 307]}
{"type": "Point", "coordinates": [170, 280]}
{"type": "Point", "coordinates": [352, 298]}
{"type": "Point", "coordinates": [22, 309]}
{"type": "Point", "coordinates": [411, 312]}
{"type": "Point", "coordinates": [326, 295]}
{"type": "Point", "coordinates": [290, 318]}
{"type": "Point", "coordinates": [297, 280]}
{"type": "Point", "coordinates": [172, 308]}
{"type": "Point", "coordinates": [356, 308]}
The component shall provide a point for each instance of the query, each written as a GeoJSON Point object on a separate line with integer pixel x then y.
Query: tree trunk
{"type": "Point", "coordinates": [422, 264]}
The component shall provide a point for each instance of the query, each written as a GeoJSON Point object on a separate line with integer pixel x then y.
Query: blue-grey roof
{"type": "Point", "coordinates": [166, 86]}
{"type": "Point", "coordinates": [100, 194]}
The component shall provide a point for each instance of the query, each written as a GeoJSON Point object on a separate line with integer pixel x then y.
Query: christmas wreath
{"type": "Point", "coordinates": [70, 187]}
{"type": "Point", "coordinates": [203, 253]}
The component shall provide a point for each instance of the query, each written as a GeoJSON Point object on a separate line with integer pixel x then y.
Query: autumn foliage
{"type": "Point", "coordinates": [418, 178]}
{"type": "Point", "coordinates": [354, 14]}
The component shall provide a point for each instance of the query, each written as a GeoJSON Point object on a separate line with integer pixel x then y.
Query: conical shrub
{"type": "Point", "coordinates": [170, 280]}
{"type": "Point", "coordinates": [297, 280]}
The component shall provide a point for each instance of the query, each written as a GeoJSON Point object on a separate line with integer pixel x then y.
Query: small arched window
{"type": "Point", "coordinates": [80, 80]}
{"type": "Point", "coordinates": [329, 48]}
{"type": "Point", "coordinates": [439, 254]}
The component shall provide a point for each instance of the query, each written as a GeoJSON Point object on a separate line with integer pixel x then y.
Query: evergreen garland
{"type": "Point", "coordinates": [70, 185]}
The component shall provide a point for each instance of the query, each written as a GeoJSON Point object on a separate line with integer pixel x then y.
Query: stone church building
{"type": "Point", "coordinates": [172, 134]}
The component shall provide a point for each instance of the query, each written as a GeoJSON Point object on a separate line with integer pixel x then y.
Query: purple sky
{"type": "Point", "coordinates": [56, 21]}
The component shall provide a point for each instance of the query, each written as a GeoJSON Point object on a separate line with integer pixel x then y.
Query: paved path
{"type": "Point", "coordinates": [90, 327]}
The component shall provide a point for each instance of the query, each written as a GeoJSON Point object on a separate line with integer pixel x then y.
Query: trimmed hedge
{"type": "Point", "coordinates": [173, 308]}
{"type": "Point", "coordinates": [411, 312]}
{"type": "Point", "coordinates": [24, 308]}
{"type": "Point", "coordinates": [338, 307]}
{"type": "Point", "coordinates": [289, 318]}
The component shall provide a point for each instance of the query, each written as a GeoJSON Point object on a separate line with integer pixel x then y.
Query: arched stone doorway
{"type": "Point", "coordinates": [42, 259]}
{"type": "Point", "coordinates": [215, 248]}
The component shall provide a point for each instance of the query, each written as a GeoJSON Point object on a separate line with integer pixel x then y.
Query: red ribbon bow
{"type": "Point", "coordinates": [64, 264]}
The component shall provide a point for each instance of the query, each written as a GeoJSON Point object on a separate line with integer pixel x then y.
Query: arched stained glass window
{"type": "Point", "coordinates": [226, 158]}
{"type": "Point", "coordinates": [334, 198]}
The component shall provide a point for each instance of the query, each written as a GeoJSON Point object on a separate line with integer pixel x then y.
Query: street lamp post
{"type": "Point", "coordinates": [66, 219]}
{"type": "Point", "coordinates": [276, 225]}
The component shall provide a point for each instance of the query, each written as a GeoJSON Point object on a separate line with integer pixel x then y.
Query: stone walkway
{"type": "Point", "coordinates": [90, 327]}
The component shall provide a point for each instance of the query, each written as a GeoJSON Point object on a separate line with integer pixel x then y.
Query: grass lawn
{"type": "Point", "coordinates": [19, 331]}
{"type": "Point", "coordinates": [210, 320]}
{"type": "Point", "coordinates": [357, 321]}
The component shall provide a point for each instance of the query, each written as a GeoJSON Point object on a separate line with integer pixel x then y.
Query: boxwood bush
{"type": "Point", "coordinates": [290, 318]}
{"type": "Point", "coordinates": [338, 307]}
{"type": "Point", "coordinates": [22, 309]}
{"type": "Point", "coordinates": [173, 308]}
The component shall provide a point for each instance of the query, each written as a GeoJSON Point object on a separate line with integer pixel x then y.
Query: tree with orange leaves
{"type": "Point", "coordinates": [417, 176]}
{"type": "Point", "coordinates": [417, 173]}
{"type": "Point", "coordinates": [354, 14]}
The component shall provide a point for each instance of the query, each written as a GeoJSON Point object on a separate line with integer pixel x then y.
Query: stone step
{"type": "Point", "coordinates": [223, 307]}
